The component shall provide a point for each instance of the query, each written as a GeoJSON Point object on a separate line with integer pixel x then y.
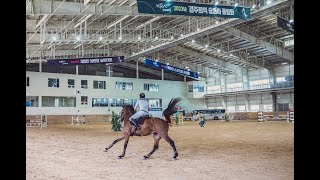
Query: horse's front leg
{"type": "Point", "coordinates": [125, 147]}
{"type": "Point", "coordinates": [113, 143]}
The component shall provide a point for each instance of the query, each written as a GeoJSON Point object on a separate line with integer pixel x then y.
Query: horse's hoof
{"type": "Point", "coordinates": [144, 158]}
{"type": "Point", "coordinates": [119, 157]}
{"type": "Point", "coordinates": [174, 159]}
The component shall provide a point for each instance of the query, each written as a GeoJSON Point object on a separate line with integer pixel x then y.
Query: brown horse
{"type": "Point", "coordinates": [156, 126]}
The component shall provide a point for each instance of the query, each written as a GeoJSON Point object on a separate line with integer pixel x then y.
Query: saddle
{"type": "Point", "coordinates": [142, 118]}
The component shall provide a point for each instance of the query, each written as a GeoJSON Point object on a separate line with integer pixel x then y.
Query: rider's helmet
{"type": "Point", "coordinates": [142, 95]}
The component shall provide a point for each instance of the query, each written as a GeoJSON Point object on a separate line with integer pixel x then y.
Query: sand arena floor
{"type": "Point", "coordinates": [220, 150]}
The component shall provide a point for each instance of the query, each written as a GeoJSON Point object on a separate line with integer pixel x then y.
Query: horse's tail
{"type": "Point", "coordinates": [171, 109]}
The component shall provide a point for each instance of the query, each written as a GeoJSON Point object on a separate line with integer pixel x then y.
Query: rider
{"type": "Point", "coordinates": [143, 110]}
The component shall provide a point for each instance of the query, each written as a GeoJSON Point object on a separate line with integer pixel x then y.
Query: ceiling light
{"type": "Point", "coordinates": [167, 63]}
{"type": "Point", "coordinates": [219, 50]}
{"type": "Point", "coordinates": [192, 40]}
{"type": "Point", "coordinates": [54, 38]}
{"type": "Point", "coordinates": [253, 6]}
{"type": "Point", "coordinates": [139, 37]}
{"type": "Point", "coordinates": [156, 60]}
{"type": "Point", "coordinates": [217, 22]}
{"type": "Point", "coordinates": [236, 4]}
{"type": "Point", "coordinates": [216, 3]}
{"type": "Point", "coordinates": [78, 38]}
{"type": "Point", "coordinates": [171, 37]}
{"type": "Point", "coordinates": [284, 63]}
{"type": "Point", "coordinates": [198, 29]}
{"type": "Point", "coordinates": [268, 2]}
{"type": "Point", "coordinates": [291, 21]}
{"type": "Point", "coordinates": [181, 35]}
{"type": "Point", "coordinates": [120, 38]}
{"type": "Point", "coordinates": [206, 45]}
{"type": "Point", "coordinates": [187, 67]}
{"type": "Point", "coordinates": [151, 46]}
{"type": "Point", "coordinates": [100, 38]}
{"type": "Point", "coordinates": [156, 37]}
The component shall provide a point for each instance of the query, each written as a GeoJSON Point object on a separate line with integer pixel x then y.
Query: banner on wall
{"type": "Point", "coordinates": [81, 61]}
{"type": "Point", "coordinates": [166, 67]}
{"type": "Point", "coordinates": [192, 9]}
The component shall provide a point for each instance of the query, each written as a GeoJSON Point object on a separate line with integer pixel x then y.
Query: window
{"type": "Point", "coordinates": [190, 88]}
{"type": "Point", "coordinates": [32, 101]}
{"type": "Point", "coordinates": [198, 88]}
{"type": "Point", "coordinates": [84, 100]}
{"type": "Point", "coordinates": [151, 87]}
{"type": "Point", "coordinates": [259, 84]}
{"type": "Point", "coordinates": [155, 103]}
{"type": "Point", "coordinates": [119, 102]}
{"type": "Point", "coordinates": [112, 102]}
{"type": "Point", "coordinates": [231, 108]}
{"type": "Point", "coordinates": [280, 79]}
{"type": "Point", "coordinates": [242, 108]}
{"type": "Point", "coordinates": [99, 84]}
{"type": "Point", "coordinates": [27, 81]}
{"type": "Point", "coordinates": [53, 82]}
{"type": "Point", "coordinates": [267, 107]}
{"type": "Point", "coordinates": [129, 102]}
{"type": "Point", "coordinates": [234, 87]}
{"type": "Point", "coordinates": [124, 85]}
{"type": "Point", "coordinates": [214, 89]}
{"type": "Point", "coordinates": [70, 83]}
{"type": "Point", "coordinates": [283, 107]}
{"type": "Point", "coordinates": [49, 101]}
{"type": "Point", "coordinates": [84, 84]}
{"type": "Point", "coordinates": [99, 102]}
{"type": "Point", "coordinates": [254, 108]}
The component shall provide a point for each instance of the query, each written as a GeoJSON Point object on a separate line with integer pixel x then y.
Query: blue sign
{"type": "Point", "coordinates": [155, 109]}
{"type": "Point", "coordinates": [192, 9]}
{"type": "Point", "coordinates": [27, 103]}
{"type": "Point", "coordinates": [160, 65]}
{"type": "Point", "coordinates": [90, 60]}
{"type": "Point", "coordinates": [286, 25]}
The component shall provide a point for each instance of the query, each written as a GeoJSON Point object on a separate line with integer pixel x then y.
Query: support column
{"type": "Point", "coordinates": [223, 82]}
{"type": "Point", "coordinates": [40, 101]}
{"type": "Point", "coordinates": [185, 78]}
{"type": "Point", "coordinates": [162, 74]}
{"type": "Point", "coordinates": [274, 101]}
{"type": "Point", "coordinates": [246, 102]}
{"type": "Point", "coordinates": [77, 69]}
{"type": "Point", "coordinates": [224, 102]}
{"type": "Point", "coordinates": [272, 78]}
{"type": "Point", "coordinates": [245, 79]}
{"type": "Point", "coordinates": [137, 70]}
{"type": "Point", "coordinates": [40, 65]}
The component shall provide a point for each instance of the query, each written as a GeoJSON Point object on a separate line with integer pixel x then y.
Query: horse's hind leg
{"type": "Point", "coordinates": [113, 143]}
{"type": "Point", "coordinates": [171, 142]}
{"type": "Point", "coordinates": [125, 147]}
{"type": "Point", "coordinates": [156, 138]}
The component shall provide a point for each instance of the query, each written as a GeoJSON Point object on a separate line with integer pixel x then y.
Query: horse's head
{"type": "Point", "coordinates": [126, 112]}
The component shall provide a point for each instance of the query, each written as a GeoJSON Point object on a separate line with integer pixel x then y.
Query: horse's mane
{"type": "Point", "coordinates": [129, 106]}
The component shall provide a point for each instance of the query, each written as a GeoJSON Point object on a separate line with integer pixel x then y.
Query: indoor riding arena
{"type": "Point", "coordinates": [163, 89]}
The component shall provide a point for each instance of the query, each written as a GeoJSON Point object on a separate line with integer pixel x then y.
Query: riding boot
{"type": "Point", "coordinates": [134, 123]}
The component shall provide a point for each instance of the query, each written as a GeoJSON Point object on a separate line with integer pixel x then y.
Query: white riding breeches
{"type": "Point", "coordinates": [138, 114]}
